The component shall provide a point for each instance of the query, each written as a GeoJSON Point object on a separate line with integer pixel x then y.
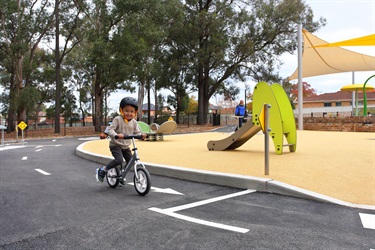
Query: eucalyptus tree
{"type": "Point", "coordinates": [234, 39]}
{"type": "Point", "coordinates": [23, 25]}
{"type": "Point", "coordinates": [148, 30]}
{"type": "Point", "coordinates": [67, 27]}
{"type": "Point", "coordinates": [80, 78]}
{"type": "Point", "coordinates": [108, 46]}
{"type": "Point", "coordinates": [69, 106]}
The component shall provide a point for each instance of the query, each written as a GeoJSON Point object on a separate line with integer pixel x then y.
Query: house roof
{"type": "Point", "coordinates": [145, 106]}
{"type": "Point", "coordinates": [338, 96]}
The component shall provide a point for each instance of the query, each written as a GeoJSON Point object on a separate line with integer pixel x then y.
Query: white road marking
{"type": "Point", "coordinates": [54, 140]}
{"type": "Point", "coordinates": [40, 146]}
{"type": "Point", "coordinates": [172, 212]}
{"type": "Point", "coordinates": [161, 190]}
{"type": "Point", "coordinates": [204, 202]}
{"type": "Point", "coordinates": [38, 150]}
{"type": "Point", "coordinates": [24, 158]}
{"type": "Point", "coordinates": [166, 191]}
{"type": "Point", "coordinates": [199, 221]}
{"type": "Point", "coordinates": [89, 138]}
{"type": "Point", "coordinates": [10, 147]}
{"type": "Point", "coordinates": [368, 220]}
{"type": "Point", "coordinates": [42, 172]}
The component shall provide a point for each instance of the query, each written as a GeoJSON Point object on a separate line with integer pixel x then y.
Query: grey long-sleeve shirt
{"type": "Point", "coordinates": [119, 126]}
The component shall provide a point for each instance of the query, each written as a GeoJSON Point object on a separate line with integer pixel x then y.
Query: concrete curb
{"type": "Point", "coordinates": [224, 179]}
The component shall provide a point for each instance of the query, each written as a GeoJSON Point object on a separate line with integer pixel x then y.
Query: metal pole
{"type": "Point", "coordinates": [300, 85]}
{"type": "Point", "coordinates": [266, 139]}
{"type": "Point", "coordinates": [353, 96]}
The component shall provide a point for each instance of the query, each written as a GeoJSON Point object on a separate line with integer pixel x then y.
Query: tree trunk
{"type": "Point", "coordinates": [57, 68]}
{"type": "Point", "coordinates": [98, 102]}
{"type": "Point", "coordinates": [141, 95]}
{"type": "Point", "coordinates": [148, 102]}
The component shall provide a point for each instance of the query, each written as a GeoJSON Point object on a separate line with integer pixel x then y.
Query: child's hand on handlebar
{"type": "Point", "coordinates": [119, 136]}
{"type": "Point", "coordinates": [144, 136]}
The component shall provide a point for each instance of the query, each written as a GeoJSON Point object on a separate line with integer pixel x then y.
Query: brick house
{"type": "Point", "coordinates": [333, 104]}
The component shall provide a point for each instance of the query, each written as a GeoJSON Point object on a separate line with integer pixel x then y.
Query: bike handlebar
{"type": "Point", "coordinates": [127, 137]}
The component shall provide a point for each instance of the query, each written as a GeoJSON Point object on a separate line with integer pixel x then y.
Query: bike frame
{"type": "Point", "coordinates": [134, 161]}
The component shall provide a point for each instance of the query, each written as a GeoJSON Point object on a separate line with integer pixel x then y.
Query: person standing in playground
{"type": "Point", "coordinates": [122, 125]}
{"type": "Point", "coordinates": [240, 112]}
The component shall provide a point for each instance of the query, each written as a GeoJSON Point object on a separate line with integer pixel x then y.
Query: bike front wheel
{"type": "Point", "coordinates": [112, 177]}
{"type": "Point", "coordinates": [142, 184]}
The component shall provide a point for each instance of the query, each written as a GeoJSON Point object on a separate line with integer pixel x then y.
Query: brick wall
{"type": "Point", "coordinates": [345, 124]}
{"type": "Point", "coordinates": [50, 132]}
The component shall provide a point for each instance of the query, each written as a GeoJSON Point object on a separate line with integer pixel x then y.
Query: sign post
{"type": "Point", "coordinates": [22, 125]}
{"type": "Point", "coordinates": [264, 123]}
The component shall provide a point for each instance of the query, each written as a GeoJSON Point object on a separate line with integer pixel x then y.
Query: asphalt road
{"type": "Point", "coordinates": [51, 200]}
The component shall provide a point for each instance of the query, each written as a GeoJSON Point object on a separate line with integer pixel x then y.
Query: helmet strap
{"type": "Point", "coordinates": [123, 116]}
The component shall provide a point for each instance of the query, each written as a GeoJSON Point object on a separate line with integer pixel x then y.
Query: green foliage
{"type": "Point", "coordinates": [183, 46]}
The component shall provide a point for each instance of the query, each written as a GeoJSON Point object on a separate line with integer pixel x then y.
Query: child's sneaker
{"type": "Point", "coordinates": [100, 173]}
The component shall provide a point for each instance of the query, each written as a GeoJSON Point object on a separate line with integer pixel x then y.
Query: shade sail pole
{"type": "Point", "coordinates": [353, 95]}
{"type": "Point", "coordinates": [300, 85]}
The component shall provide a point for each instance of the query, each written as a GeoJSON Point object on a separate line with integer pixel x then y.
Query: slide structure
{"type": "Point", "coordinates": [281, 121]}
{"type": "Point", "coordinates": [235, 140]}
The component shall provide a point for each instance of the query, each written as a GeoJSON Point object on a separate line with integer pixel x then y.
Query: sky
{"type": "Point", "coordinates": [345, 19]}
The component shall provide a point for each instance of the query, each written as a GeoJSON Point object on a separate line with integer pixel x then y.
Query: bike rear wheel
{"type": "Point", "coordinates": [113, 177]}
{"type": "Point", "coordinates": [142, 184]}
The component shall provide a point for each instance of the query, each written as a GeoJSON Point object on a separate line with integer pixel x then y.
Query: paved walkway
{"type": "Point", "coordinates": [337, 165]}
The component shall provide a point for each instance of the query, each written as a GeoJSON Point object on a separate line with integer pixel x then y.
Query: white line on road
{"type": "Point", "coordinates": [38, 150]}
{"type": "Point", "coordinates": [40, 146]}
{"type": "Point", "coordinates": [42, 172]}
{"type": "Point", "coordinates": [171, 212]}
{"type": "Point", "coordinates": [10, 147]}
{"type": "Point", "coordinates": [24, 158]}
{"type": "Point", "coordinates": [368, 220]}
{"type": "Point", "coordinates": [204, 202]}
{"type": "Point", "coordinates": [199, 221]}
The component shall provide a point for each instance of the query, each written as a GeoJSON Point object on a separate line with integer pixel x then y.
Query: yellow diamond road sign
{"type": "Point", "coordinates": [22, 125]}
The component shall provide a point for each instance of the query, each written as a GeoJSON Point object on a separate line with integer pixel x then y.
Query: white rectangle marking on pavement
{"type": "Point", "coordinates": [199, 221]}
{"type": "Point", "coordinates": [42, 172]}
{"type": "Point", "coordinates": [171, 212]}
{"type": "Point", "coordinates": [38, 150]}
{"type": "Point", "coordinates": [24, 158]}
{"type": "Point", "coordinates": [204, 202]}
{"type": "Point", "coordinates": [368, 220]}
{"type": "Point", "coordinates": [40, 146]}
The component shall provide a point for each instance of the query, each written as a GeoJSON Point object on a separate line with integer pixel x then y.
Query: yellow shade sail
{"type": "Point", "coordinates": [360, 41]}
{"type": "Point", "coordinates": [330, 60]}
{"type": "Point", "coordinates": [356, 87]}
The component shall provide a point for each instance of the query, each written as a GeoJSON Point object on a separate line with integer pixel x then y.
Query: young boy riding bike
{"type": "Point", "coordinates": [124, 124]}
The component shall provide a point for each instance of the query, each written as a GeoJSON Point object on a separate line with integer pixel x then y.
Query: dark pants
{"type": "Point", "coordinates": [119, 154]}
{"type": "Point", "coordinates": [240, 121]}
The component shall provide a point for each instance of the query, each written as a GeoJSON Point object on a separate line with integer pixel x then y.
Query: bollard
{"type": "Point", "coordinates": [3, 128]}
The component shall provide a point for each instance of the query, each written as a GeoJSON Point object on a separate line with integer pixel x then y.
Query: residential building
{"type": "Point", "coordinates": [335, 104]}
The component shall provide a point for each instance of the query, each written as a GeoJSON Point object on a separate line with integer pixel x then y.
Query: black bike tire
{"type": "Point", "coordinates": [142, 171]}
{"type": "Point", "coordinates": [110, 182]}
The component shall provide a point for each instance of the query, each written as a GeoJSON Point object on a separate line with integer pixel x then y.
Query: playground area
{"type": "Point", "coordinates": [337, 164]}
{"type": "Point", "coordinates": [340, 165]}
